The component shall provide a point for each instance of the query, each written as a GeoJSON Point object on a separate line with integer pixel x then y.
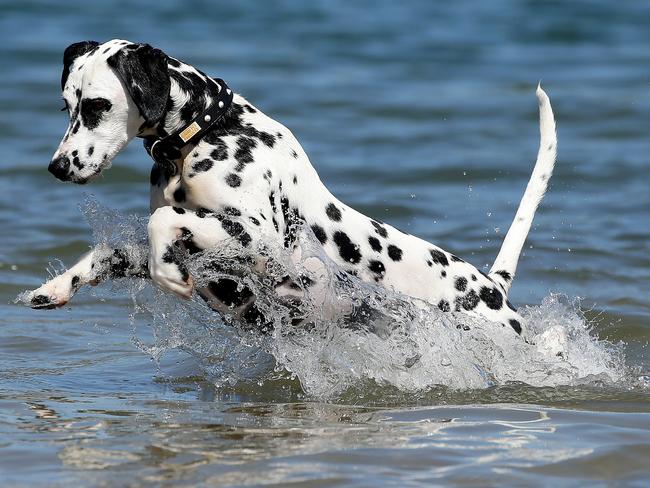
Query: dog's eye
{"type": "Point", "coordinates": [97, 104]}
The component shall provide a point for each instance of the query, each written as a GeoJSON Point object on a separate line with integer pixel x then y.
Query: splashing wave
{"type": "Point", "coordinates": [358, 331]}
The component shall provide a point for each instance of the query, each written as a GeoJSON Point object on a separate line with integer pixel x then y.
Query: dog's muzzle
{"type": "Point", "coordinates": [60, 167]}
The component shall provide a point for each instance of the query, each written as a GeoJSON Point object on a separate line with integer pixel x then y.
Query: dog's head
{"type": "Point", "coordinates": [112, 92]}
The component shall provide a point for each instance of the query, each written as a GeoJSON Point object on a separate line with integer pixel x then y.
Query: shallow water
{"type": "Point", "coordinates": [422, 116]}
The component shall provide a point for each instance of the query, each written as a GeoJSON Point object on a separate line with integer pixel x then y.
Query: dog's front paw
{"type": "Point", "coordinates": [53, 294]}
{"type": "Point", "coordinates": [172, 277]}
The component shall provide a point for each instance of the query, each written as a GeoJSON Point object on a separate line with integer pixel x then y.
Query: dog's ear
{"type": "Point", "coordinates": [72, 52]}
{"type": "Point", "coordinates": [145, 74]}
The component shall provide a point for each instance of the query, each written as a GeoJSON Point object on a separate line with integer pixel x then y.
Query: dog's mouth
{"type": "Point", "coordinates": [83, 180]}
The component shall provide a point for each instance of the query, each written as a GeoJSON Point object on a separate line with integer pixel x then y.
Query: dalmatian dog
{"type": "Point", "coordinates": [225, 172]}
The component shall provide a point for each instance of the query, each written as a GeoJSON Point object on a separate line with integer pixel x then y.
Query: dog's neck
{"type": "Point", "coordinates": [191, 93]}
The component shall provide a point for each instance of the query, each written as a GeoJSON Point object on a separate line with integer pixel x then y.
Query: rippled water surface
{"type": "Point", "coordinates": [422, 115]}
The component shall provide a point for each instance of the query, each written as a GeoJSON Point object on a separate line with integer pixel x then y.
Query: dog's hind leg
{"type": "Point", "coordinates": [99, 264]}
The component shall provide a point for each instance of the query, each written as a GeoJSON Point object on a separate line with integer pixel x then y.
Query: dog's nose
{"type": "Point", "coordinates": [59, 167]}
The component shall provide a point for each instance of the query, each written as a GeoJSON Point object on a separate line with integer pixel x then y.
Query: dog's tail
{"type": "Point", "coordinates": [505, 265]}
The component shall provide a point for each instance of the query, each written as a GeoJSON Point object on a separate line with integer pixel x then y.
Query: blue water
{"type": "Point", "coordinates": [422, 115]}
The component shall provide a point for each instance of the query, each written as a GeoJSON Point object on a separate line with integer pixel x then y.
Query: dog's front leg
{"type": "Point", "coordinates": [172, 228]}
{"type": "Point", "coordinates": [99, 264]}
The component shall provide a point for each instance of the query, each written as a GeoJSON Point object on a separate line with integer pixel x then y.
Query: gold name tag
{"type": "Point", "coordinates": [192, 129]}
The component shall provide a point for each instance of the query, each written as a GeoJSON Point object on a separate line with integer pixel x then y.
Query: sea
{"type": "Point", "coordinates": [420, 114]}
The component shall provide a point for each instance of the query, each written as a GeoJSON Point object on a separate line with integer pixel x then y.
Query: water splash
{"type": "Point", "coordinates": [356, 332]}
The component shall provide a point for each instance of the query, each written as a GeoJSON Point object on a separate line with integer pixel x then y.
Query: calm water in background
{"type": "Point", "coordinates": [423, 116]}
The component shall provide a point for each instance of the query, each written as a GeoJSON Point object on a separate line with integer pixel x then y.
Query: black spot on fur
{"type": "Point", "coordinates": [254, 220]}
{"type": "Point", "coordinates": [456, 259]}
{"type": "Point", "coordinates": [492, 297]}
{"type": "Point", "coordinates": [250, 109]}
{"type": "Point", "coordinates": [226, 291]}
{"type": "Point", "coordinates": [347, 249]}
{"type": "Point", "coordinates": [189, 245]}
{"type": "Point", "coordinates": [235, 229]}
{"type": "Point", "coordinates": [75, 282]}
{"type": "Point", "coordinates": [515, 325]}
{"type": "Point", "coordinates": [77, 163]}
{"type": "Point", "coordinates": [220, 152]}
{"type": "Point", "coordinates": [92, 111]}
{"type": "Point", "coordinates": [170, 257]}
{"type": "Point", "coordinates": [75, 127]}
{"type": "Point", "coordinates": [179, 210]}
{"type": "Point", "coordinates": [267, 139]}
{"type": "Point", "coordinates": [294, 154]}
{"type": "Point", "coordinates": [319, 232]}
{"type": "Point", "coordinates": [379, 229]}
{"type": "Point", "coordinates": [291, 221]}
{"type": "Point", "coordinates": [274, 209]}
{"type": "Point", "coordinates": [179, 195]}
{"type": "Point", "coordinates": [244, 154]}
{"type": "Point", "coordinates": [461, 283]}
{"type": "Point", "coordinates": [395, 253]}
{"type": "Point", "coordinates": [444, 306]}
{"type": "Point", "coordinates": [439, 257]}
{"type": "Point", "coordinates": [245, 239]}
{"type": "Point", "coordinates": [469, 301]}
{"type": "Point", "coordinates": [443, 273]}
{"type": "Point", "coordinates": [91, 149]}
{"type": "Point", "coordinates": [233, 180]}
{"type": "Point", "coordinates": [374, 244]}
{"type": "Point", "coordinates": [201, 166]}
{"type": "Point", "coordinates": [232, 124]}
{"type": "Point", "coordinates": [295, 180]}
{"type": "Point", "coordinates": [378, 268]}
{"type": "Point", "coordinates": [232, 211]}
{"type": "Point", "coordinates": [504, 274]}
{"type": "Point", "coordinates": [333, 212]}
